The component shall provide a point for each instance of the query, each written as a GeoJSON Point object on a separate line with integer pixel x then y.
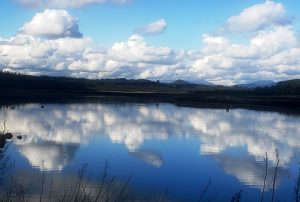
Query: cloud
{"type": "Point", "coordinates": [60, 54]}
{"type": "Point", "coordinates": [272, 52]}
{"type": "Point", "coordinates": [153, 28]}
{"type": "Point", "coordinates": [52, 24]}
{"type": "Point", "coordinates": [131, 59]}
{"type": "Point", "coordinates": [60, 49]}
{"type": "Point", "coordinates": [66, 3]}
{"type": "Point", "coordinates": [258, 17]}
{"type": "Point", "coordinates": [224, 62]}
{"type": "Point", "coordinates": [29, 54]}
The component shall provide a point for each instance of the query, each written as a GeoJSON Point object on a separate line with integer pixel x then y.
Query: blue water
{"type": "Point", "coordinates": [163, 146]}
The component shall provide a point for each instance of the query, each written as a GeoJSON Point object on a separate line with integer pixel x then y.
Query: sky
{"type": "Point", "coordinates": [220, 41]}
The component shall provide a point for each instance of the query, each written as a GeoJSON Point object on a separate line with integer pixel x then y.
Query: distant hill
{"type": "Point", "coordinates": [256, 84]}
{"type": "Point", "coordinates": [49, 83]}
{"type": "Point", "coordinates": [289, 87]}
{"type": "Point", "coordinates": [201, 82]}
{"type": "Point", "coordinates": [20, 81]}
{"type": "Point", "coordinates": [15, 81]}
{"type": "Point", "coordinates": [180, 82]}
{"type": "Point", "coordinates": [294, 84]}
{"type": "Point", "coordinates": [193, 82]}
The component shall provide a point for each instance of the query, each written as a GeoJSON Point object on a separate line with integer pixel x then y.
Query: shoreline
{"type": "Point", "coordinates": [187, 99]}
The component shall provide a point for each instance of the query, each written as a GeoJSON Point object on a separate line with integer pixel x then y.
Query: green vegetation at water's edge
{"type": "Point", "coordinates": [12, 85]}
{"type": "Point", "coordinates": [20, 81]}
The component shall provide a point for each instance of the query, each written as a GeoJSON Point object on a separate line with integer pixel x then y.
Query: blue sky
{"type": "Point", "coordinates": [186, 23]}
{"type": "Point", "coordinates": [107, 23]}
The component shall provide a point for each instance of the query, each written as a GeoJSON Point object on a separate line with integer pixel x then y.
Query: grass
{"type": "Point", "coordinates": [104, 189]}
{"type": "Point", "coordinates": [275, 174]}
{"type": "Point", "coordinates": [265, 178]}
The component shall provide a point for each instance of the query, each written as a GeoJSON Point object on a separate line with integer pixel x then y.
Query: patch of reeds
{"type": "Point", "coordinates": [104, 189]}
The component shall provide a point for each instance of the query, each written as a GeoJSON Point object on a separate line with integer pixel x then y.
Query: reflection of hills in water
{"type": "Point", "coordinates": [57, 126]}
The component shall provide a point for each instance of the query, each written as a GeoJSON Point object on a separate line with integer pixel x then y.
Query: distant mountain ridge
{"type": "Point", "coordinates": [67, 84]}
{"type": "Point", "coordinates": [180, 82]}
{"type": "Point", "coordinates": [199, 82]}
{"type": "Point", "coordinates": [259, 83]}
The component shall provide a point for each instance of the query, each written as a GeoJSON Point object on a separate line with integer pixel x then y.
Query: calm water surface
{"type": "Point", "coordinates": [163, 146]}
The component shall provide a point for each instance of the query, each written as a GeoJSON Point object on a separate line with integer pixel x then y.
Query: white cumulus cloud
{"type": "Point", "coordinates": [52, 24]}
{"type": "Point", "coordinates": [66, 3]}
{"type": "Point", "coordinates": [60, 51]}
{"type": "Point", "coordinates": [259, 17]}
{"type": "Point", "coordinates": [264, 57]}
{"type": "Point", "coordinates": [153, 28]}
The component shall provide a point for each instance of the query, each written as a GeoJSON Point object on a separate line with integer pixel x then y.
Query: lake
{"type": "Point", "coordinates": [160, 149]}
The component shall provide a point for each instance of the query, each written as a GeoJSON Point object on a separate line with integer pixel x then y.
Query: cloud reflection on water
{"type": "Point", "coordinates": [148, 156]}
{"type": "Point", "coordinates": [53, 156]}
{"type": "Point", "coordinates": [61, 129]}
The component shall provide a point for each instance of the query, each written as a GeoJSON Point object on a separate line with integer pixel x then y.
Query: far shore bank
{"type": "Point", "coordinates": [28, 95]}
